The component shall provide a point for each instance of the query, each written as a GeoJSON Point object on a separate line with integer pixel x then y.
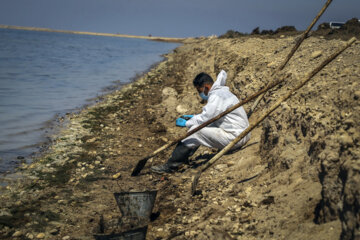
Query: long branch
{"type": "Point", "coordinates": [268, 112]}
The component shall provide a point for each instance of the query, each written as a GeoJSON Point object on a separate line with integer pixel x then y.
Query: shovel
{"type": "Point", "coordinates": [141, 163]}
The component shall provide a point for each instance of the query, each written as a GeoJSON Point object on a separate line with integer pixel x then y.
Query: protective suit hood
{"type": "Point", "coordinates": [220, 81]}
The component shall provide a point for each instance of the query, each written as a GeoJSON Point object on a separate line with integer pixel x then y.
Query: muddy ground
{"type": "Point", "coordinates": [297, 178]}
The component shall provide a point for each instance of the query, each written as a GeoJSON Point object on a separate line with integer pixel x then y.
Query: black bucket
{"type": "Point", "coordinates": [136, 205]}
{"type": "Point", "coordinates": [136, 234]}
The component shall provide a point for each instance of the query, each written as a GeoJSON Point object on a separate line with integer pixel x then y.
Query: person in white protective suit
{"type": "Point", "coordinates": [216, 135]}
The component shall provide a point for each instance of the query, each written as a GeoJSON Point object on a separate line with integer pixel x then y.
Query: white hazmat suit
{"type": "Point", "coordinates": [220, 133]}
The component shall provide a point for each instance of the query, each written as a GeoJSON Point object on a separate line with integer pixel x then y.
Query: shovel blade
{"type": "Point", "coordinates": [139, 166]}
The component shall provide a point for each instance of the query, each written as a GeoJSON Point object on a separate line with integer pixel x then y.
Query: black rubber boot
{"type": "Point", "coordinates": [179, 156]}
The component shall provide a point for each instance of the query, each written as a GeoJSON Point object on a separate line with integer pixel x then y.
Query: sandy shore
{"type": "Point", "coordinates": [153, 38]}
{"type": "Point", "coordinates": [287, 183]}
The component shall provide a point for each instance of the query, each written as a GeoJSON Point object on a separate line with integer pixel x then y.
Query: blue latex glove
{"type": "Point", "coordinates": [180, 122]}
{"type": "Point", "coordinates": [187, 117]}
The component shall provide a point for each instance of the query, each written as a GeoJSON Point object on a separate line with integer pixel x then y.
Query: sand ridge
{"type": "Point", "coordinates": [287, 183]}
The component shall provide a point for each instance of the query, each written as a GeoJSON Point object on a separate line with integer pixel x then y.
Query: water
{"type": "Point", "coordinates": [43, 75]}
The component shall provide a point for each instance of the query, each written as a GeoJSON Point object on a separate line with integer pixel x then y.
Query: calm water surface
{"type": "Point", "coordinates": [44, 75]}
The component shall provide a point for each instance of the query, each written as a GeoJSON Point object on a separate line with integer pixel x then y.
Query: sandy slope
{"type": "Point", "coordinates": [296, 179]}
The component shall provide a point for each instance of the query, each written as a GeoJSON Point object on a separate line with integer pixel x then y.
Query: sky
{"type": "Point", "coordinates": [172, 18]}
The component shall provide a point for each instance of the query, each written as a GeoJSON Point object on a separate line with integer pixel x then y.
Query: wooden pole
{"type": "Point", "coordinates": [291, 53]}
{"type": "Point", "coordinates": [261, 118]}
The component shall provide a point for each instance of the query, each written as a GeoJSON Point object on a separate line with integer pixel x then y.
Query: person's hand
{"type": "Point", "coordinates": [181, 122]}
{"type": "Point", "coordinates": [187, 117]}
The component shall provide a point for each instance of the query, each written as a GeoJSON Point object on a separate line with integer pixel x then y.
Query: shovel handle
{"type": "Point", "coordinates": [293, 50]}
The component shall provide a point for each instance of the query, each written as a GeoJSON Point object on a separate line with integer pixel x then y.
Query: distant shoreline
{"type": "Point", "coordinates": [164, 39]}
